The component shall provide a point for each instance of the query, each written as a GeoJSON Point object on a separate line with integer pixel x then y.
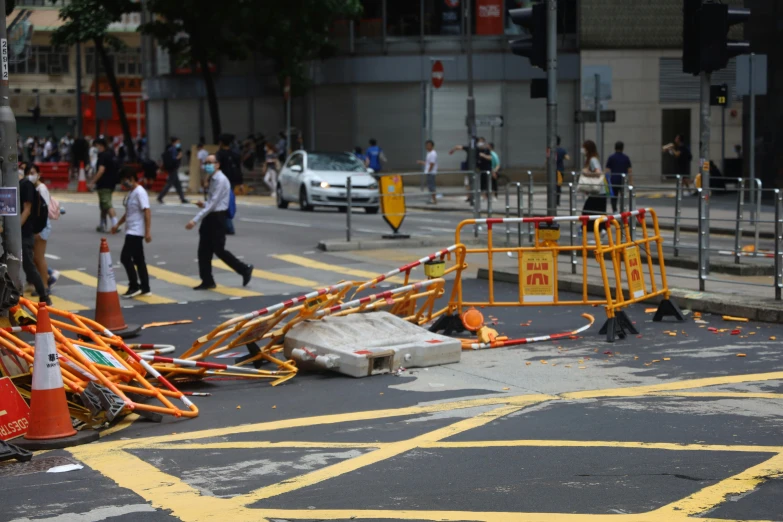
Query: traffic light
{"type": "Point", "coordinates": [533, 19]}
{"type": "Point", "coordinates": [706, 45]}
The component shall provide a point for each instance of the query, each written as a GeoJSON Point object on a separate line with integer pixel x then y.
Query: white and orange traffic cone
{"type": "Point", "coordinates": [82, 187]}
{"type": "Point", "coordinates": [107, 301]}
{"type": "Point", "coordinates": [50, 422]}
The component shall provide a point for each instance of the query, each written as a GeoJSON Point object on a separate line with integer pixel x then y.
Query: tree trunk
{"type": "Point", "coordinates": [108, 67]}
{"type": "Point", "coordinates": [212, 101]}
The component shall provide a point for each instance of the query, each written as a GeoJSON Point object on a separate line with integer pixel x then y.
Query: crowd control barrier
{"type": "Point", "coordinates": [537, 267]}
{"type": "Point", "coordinates": [98, 367]}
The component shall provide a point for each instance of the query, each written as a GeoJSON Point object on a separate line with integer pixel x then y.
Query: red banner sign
{"type": "Point", "coordinates": [14, 411]}
{"type": "Point", "coordinates": [489, 16]}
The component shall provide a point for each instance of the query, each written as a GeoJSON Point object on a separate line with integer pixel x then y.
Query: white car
{"type": "Point", "coordinates": [318, 179]}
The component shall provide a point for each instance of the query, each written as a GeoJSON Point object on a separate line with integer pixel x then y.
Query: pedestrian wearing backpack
{"type": "Point", "coordinates": [34, 217]}
{"type": "Point", "coordinates": [104, 182]}
{"type": "Point", "coordinates": [171, 161]}
{"type": "Point", "coordinates": [48, 275]}
{"type": "Point", "coordinates": [138, 225]}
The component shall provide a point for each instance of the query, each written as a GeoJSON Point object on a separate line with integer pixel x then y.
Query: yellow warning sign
{"type": "Point", "coordinates": [635, 275]}
{"type": "Point", "coordinates": [538, 277]}
{"type": "Point", "coordinates": [392, 200]}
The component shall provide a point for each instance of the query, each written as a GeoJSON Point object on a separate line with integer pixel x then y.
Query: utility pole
{"type": "Point", "coordinates": [12, 225]}
{"type": "Point", "coordinates": [79, 120]}
{"type": "Point", "coordinates": [704, 157]}
{"type": "Point", "coordinates": [551, 107]}
{"type": "Point", "coordinates": [471, 119]}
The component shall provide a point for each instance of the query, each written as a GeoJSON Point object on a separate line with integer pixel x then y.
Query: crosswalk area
{"type": "Point", "coordinates": [292, 274]}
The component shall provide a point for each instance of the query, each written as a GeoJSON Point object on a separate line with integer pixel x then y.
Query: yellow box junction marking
{"type": "Point", "coordinates": [317, 265]}
{"type": "Point", "coordinates": [92, 281]}
{"type": "Point", "coordinates": [179, 279]}
{"type": "Point", "coordinates": [68, 306]}
{"type": "Point", "coordinates": [279, 278]}
{"type": "Point", "coordinates": [168, 492]}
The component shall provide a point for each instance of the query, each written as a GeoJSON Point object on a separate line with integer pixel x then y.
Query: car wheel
{"type": "Point", "coordinates": [303, 204]}
{"type": "Point", "coordinates": [281, 202]}
{"type": "Point", "coordinates": [371, 210]}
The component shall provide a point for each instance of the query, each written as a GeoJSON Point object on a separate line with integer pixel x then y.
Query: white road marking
{"type": "Point", "coordinates": [52, 256]}
{"type": "Point", "coordinates": [160, 262]}
{"type": "Point", "coordinates": [95, 515]}
{"type": "Point", "coordinates": [275, 222]}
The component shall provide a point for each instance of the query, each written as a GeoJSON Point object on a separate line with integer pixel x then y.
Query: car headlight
{"type": "Point", "coordinates": [373, 186]}
{"type": "Point", "coordinates": [319, 184]}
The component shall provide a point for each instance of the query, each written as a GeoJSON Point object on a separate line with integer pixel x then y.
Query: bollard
{"type": "Point", "coordinates": [757, 217]}
{"type": "Point", "coordinates": [572, 210]}
{"type": "Point", "coordinates": [778, 236]}
{"type": "Point", "coordinates": [623, 188]}
{"type": "Point", "coordinates": [677, 215]}
{"type": "Point", "coordinates": [489, 192]}
{"type": "Point", "coordinates": [631, 208]}
{"type": "Point", "coordinates": [508, 215]}
{"type": "Point", "coordinates": [519, 213]}
{"type": "Point", "coordinates": [530, 205]}
{"type": "Point", "coordinates": [740, 217]}
{"type": "Point", "coordinates": [476, 200]}
{"type": "Point", "coordinates": [348, 209]}
{"type": "Point", "coordinates": [702, 240]}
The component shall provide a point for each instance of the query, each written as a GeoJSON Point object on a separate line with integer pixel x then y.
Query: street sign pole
{"type": "Point", "coordinates": [551, 107]}
{"type": "Point", "coordinates": [12, 226]}
{"type": "Point", "coordinates": [287, 91]}
{"type": "Point", "coordinates": [704, 157]}
{"type": "Point", "coordinates": [599, 141]}
{"type": "Point", "coordinates": [752, 132]}
{"type": "Point", "coordinates": [471, 120]}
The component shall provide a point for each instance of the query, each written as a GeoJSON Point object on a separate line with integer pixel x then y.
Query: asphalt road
{"type": "Point", "coordinates": [660, 427]}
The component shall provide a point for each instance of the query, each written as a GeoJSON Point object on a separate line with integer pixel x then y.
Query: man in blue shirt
{"type": "Point", "coordinates": [618, 164]}
{"type": "Point", "coordinates": [375, 156]}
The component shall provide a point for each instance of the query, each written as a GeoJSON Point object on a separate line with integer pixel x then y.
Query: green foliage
{"type": "Point", "coordinates": [88, 20]}
{"type": "Point", "coordinates": [294, 32]}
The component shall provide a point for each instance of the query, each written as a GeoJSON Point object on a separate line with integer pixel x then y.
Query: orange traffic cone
{"type": "Point", "coordinates": [107, 301]}
{"type": "Point", "coordinates": [50, 422]}
{"type": "Point", "coordinates": [82, 187]}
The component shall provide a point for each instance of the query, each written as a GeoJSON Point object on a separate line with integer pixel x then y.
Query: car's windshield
{"type": "Point", "coordinates": [334, 161]}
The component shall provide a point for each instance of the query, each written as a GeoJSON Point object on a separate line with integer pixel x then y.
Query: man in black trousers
{"type": "Point", "coordinates": [212, 233]}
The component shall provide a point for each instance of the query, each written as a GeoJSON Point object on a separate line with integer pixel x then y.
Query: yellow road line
{"type": "Point", "coordinates": [317, 265]}
{"type": "Point", "coordinates": [271, 276]}
{"type": "Point", "coordinates": [385, 452]}
{"type": "Point", "coordinates": [711, 496]}
{"type": "Point", "coordinates": [179, 279]}
{"type": "Point", "coordinates": [602, 444]}
{"type": "Point", "coordinates": [64, 304]}
{"type": "Point", "coordinates": [91, 281]}
{"type": "Point", "coordinates": [721, 395]}
{"type": "Point", "coordinates": [267, 445]}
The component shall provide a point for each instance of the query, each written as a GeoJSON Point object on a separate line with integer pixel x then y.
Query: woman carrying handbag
{"type": "Point", "coordinates": [592, 182]}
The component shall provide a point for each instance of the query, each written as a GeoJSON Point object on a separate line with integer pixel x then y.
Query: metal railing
{"type": "Point", "coordinates": [687, 215]}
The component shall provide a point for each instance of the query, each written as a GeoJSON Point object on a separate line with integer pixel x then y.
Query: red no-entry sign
{"type": "Point", "coordinates": [437, 74]}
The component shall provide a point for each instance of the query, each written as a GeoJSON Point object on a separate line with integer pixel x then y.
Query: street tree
{"type": "Point", "coordinates": [298, 32]}
{"type": "Point", "coordinates": [88, 21]}
{"type": "Point", "coordinates": [203, 32]}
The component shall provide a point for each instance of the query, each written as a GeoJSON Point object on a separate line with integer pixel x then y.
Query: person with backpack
{"type": "Point", "coordinates": [47, 274]}
{"type": "Point", "coordinates": [34, 218]}
{"type": "Point", "coordinates": [138, 224]}
{"type": "Point", "coordinates": [375, 156]}
{"type": "Point", "coordinates": [104, 182]}
{"type": "Point", "coordinates": [171, 161]}
{"type": "Point", "coordinates": [229, 165]}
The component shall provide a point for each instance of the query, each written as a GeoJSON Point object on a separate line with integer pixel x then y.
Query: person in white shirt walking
{"type": "Point", "coordinates": [138, 229]}
{"type": "Point", "coordinates": [430, 169]}
{"type": "Point", "coordinates": [212, 232]}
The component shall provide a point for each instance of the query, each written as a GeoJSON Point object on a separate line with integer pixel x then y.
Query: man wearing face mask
{"type": "Point", "coordinates": [212, 232]}
{"type": "Point", "coordinates": [171, 161]}
{"type": "Point", "coordinates": [104, 182]}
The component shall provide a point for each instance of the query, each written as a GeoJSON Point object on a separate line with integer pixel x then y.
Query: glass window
{"type": "Point", "coordinates": [403, 18]}
{"type": "Point", "coordinates": [336, 162]}
{"type": "Point", "coordinates": [443, 17]}
{"type": "Point", "coordinates": [296, 159]}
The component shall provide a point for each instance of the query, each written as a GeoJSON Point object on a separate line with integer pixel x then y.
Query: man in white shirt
{"type": "Point", "coordinates": [48, 150]}
{"type": "Point", "coordinates": [431, 168]}
{"type": "Point", "coordinates": [138, 221]}
{"type": "Point", "coordinates": [212, 232]}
